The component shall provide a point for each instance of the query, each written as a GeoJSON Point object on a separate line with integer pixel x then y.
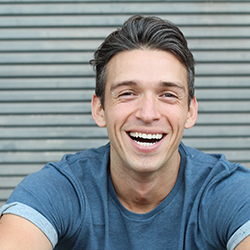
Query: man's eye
{"type": "Point", "coordinates": [126, 94]}
{"type": "Point", "coordinates": [169, 95]}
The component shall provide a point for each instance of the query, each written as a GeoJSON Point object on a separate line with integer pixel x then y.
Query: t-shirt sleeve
{"type": "Point", "coordinates": [225, 209]}
{"type": "Point", "coordinates": [32, 215]}
{"type": "Point", "coordinates": [238, 236]}
{"type": "Point", "coordinates": [51, 199]}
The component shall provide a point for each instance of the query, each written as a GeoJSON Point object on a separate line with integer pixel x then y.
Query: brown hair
{"type": "Point", "coordinates": [143, 32]}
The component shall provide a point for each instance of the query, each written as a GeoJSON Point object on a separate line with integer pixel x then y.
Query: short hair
{"type": "Point", "coordinates": [140, 32]}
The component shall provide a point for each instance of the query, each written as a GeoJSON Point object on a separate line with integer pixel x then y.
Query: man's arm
{"type": "Point", "coordinates": [19, 233]}
{"type": "Point", "coordinates": [244, 245]}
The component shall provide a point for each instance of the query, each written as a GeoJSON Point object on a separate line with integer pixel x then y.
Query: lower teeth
{"type": "Point", "coordinates": [145, 144]}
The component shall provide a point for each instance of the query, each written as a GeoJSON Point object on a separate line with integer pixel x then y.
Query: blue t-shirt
{"type": "Point", "coordinates": [74, 203]}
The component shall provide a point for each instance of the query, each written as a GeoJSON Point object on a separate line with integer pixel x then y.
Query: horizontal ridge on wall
{"type": "Point", "coordinates": [46, 82]}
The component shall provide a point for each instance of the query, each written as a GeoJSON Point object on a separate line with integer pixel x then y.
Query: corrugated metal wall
{"type": "Point", "coordinates": [46, 83]}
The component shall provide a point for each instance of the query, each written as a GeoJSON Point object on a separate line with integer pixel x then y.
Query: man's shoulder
{"type": "Point", "coordinates": [211, 166]}
{"type": "Point", "coordinates": [83, 164]}
{"type": "Point", "coordinates": [97, 155]}
{"type": "Point", "coordinates": [212, 160]}
{"type": "Point", "coordinates": [199, 157]}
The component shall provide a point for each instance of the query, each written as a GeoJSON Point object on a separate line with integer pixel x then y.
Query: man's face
{"type": "Point", "coordinates": [146, 109]}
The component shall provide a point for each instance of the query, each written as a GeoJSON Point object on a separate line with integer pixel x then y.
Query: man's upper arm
{"type": "Point", "coordinates": [244, 245]}
{"type": "Point", "coordinates": [19, 233]}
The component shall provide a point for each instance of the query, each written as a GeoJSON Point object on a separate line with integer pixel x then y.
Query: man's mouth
{"type": "Point", "coordinates": [144, 139]}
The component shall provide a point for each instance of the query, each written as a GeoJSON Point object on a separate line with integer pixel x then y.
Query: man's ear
{"type": "Point", "coordinates": [97, 111]}
{"type": "Point", "coordinates": [192, 113]}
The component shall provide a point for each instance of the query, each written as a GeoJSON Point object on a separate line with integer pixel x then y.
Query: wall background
{"type": "Point", "coordinates": [46, 83]}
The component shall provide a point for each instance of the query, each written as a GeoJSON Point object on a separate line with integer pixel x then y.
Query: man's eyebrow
{"type": "Point", "coordinates": [161, 84]}
{"type": "Point", "coordinates": [173, 84]}
{"type": "Point", "coordinates": [121, 84]}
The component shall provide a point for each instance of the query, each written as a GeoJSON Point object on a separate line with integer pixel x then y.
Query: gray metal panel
{"type": "Point", "coordinates": [46, 83]}
{"type": "Point", "coordinates": [119, 7]}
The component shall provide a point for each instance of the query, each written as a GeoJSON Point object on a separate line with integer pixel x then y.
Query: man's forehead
{"type": "Point", "coordinates": [161, 67]}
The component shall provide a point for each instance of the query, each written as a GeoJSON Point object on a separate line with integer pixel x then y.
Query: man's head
{"type": "Point", "coordinates": [139, 33]}
{"type": "Point", "coordinates": [144, 71]}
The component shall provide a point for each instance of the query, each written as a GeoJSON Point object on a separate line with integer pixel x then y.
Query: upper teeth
{"type": "Point", "coordinates": [146, 136]}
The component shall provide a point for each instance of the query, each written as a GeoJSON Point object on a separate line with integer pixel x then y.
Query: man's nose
{"type": "Point", "coordinates": [148, 109]}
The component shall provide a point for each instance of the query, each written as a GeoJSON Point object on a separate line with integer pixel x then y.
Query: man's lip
{"type": "Point", "coordinates": [146, 131]}
{"type": "Point", "coordinates": [146, 139]}
{"type": "Point", "coordinates": [146, 145]}
{"type": "Point", "coordinates": [149, 136]}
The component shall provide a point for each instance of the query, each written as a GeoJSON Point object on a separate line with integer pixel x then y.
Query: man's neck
{"type": "Point", "coordinates": [142, 192]}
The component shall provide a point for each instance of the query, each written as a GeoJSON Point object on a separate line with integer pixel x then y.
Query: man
{"type": "Point", "coordinates": [145, 189]}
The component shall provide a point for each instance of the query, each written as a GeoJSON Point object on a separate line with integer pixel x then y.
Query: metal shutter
{"type": "Point", "coordinates": [46, 83]}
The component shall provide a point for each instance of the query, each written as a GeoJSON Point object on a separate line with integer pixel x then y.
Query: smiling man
{"type": "Point", "coordinates": [145, 189]}
{"type": "Point", "coordinates": [150, 87]}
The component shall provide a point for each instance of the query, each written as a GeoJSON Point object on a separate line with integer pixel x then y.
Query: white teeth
{"type": "Point", "coordinates": [145, 144]}
{"type": "Point", "coordinates": [146, 136]}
